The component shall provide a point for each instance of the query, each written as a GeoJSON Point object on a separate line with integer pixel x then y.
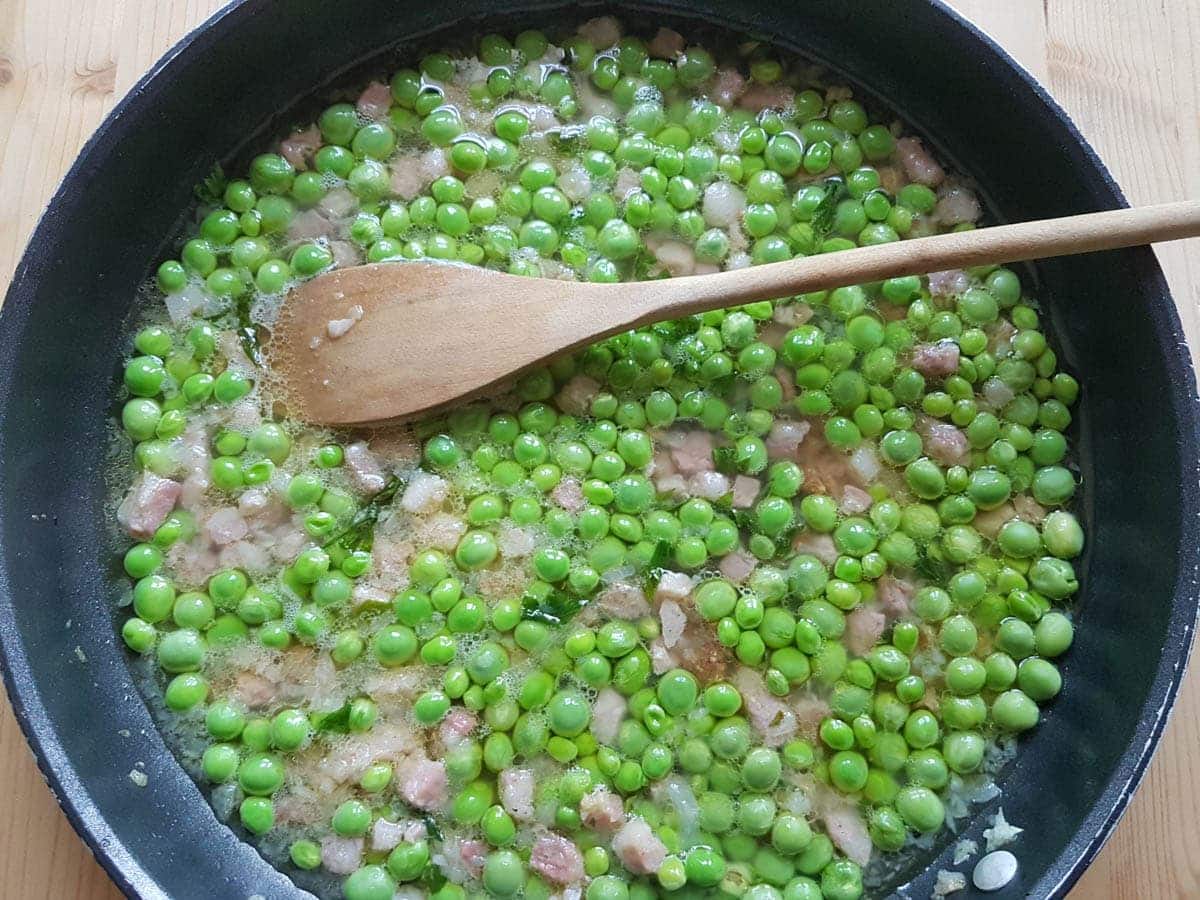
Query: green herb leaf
{"type": "Point", "coordinates": [934, 569]}
{"type": "Point", "coordinates": [822, 218]}
{"type": "Point", "coordinates": [744, 519]}
{"type": "Point", "coordinates": [783, 541]}
{"type": "Point", "coordinates": [212, 189]}
{"type": "Point", "coordinates": [661, 555]}
{"type": "Point", "coordinates": [247, 331]}
{"type": "Point", "coordinates": [360, 533]}
{"type": "Point", "coordinates": [658, 561]}
{"type": "Point", "coordinates": [336, 722]}
{"type": "Point", "coordinates": [431, 827]}
{"type": "Point", "coordinates": [725, 459]}
{"type": "Point", "coordinates": [557, 608]}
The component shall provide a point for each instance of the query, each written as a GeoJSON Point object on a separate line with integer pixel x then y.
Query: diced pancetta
{"type": "Point", "coordinates": [557, 859]}
{"type": "Point", "coordinates": [949, 283]}
{"type": "Point", "coordinates": [374, 101]}
{"type": "Point", "coordinates": [810, 711]}
{"type": "Point", "coordinates": [299, 147]}
{"type": "Point", "coordinates": [601, 810]}
{"type": "Point", "coordinates": [608, 711]}
{"type": "Point", "coordinates": [602, 32]}
{"type": "Point", "coordinates": [737, 566]}
{"type": "Point", "coordinates": [339, 203]}
{"type": "Point", "coordinates": [666, 44]}
{"type": "Point", "coordinates": [226, 526]}
{"type": "Point", "coordinates": [863, 628]}
{"type": "Point", "coordinates": [365, 471]}
{"type": "Point", "coordinates": [918, 164]}
{"type": "Point", "coordinates": [424, 492]}
{"type": "Point", "coordinates": [661, 659]}
{"type": "Point", "coordinates": [771, 717]}
{"type": "Point", "coordinates": [956, 205]}
{"type": "Point", "coordinates": [638, 847]}
{"type": "Point", "coordinates": [673, 621]}
{"type": "Point", "coordinates": [456, 728]}
{"type": "Point", "coordinates": [147, 505]}
{"type": "Point", "coordinates": [309, 225]}
{"type": "Point", "coordinates": [767, 96]}
{"type": "Point", "coordinates": [515, 541]}
{"type": "Point", "coordinates": [848, 831]}
{"type": "Point", "coordinates": [937, 360]}
{"type": "Point", "coordinates": [473, 854]}
{"type": "Point", "coordinates": [621, 600]}
{"type": "Point", "coordinates": [727, 87]}
{"type": "Point", "coordinates": [673, 586]}
{"type": "Point", "coordinates": [854, 501]}
{"type": "Point", "coordinates": [785, 436]}
{"type": "Point", "coordinates": [943, 441]}
{"type": "Point", "coordinates": [676, 257]}
{"type": "Point", "coordinates": [692, 451]}
{"type": "Point", "coordinates": [516, 792]}
{"type": "Point", "coordinates": [723, 204]}
{"type": "Point", "coordinates": [341, 855]}
{"type": "Point", "coordinates": [627, 182]}
{"type": "Point", "coordinates": [708, 484]}
{"type": "Point", "coordinates": [576, 395]}
{"type": "Point", "coordinates": [819, 545]}
{"type": "Point", "coordinates": [745, 490]}
{"type": "Point", "coordinates": [893, 595]}
{"type": "Point", "coordinates": [568, 494]}
{"type": "Point", "coordinates": [424, 785]}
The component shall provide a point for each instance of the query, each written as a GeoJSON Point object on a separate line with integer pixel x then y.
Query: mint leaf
{"type": "Point", "coordinates": [360, 533]}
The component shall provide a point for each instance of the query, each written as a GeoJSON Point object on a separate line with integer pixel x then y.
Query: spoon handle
{"type": "Point", "coordinates": [1000, 244]}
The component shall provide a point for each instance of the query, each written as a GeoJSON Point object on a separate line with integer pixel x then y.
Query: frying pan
{"type": "Point", "coordinates": [249, 73]}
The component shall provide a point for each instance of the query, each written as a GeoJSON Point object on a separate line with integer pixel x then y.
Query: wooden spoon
{"type": "Point", "coordinates": [416, 336]}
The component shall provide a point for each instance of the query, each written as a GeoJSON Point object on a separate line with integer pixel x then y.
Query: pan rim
{"type": "Point", "coordinates": [72, 793]}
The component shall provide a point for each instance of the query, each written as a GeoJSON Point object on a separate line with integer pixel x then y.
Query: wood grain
{"type": "Point", "coordinates": [1128, 72]}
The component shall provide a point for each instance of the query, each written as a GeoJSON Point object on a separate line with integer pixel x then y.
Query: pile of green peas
{"type": "Point", "coordinates": [971, 659]}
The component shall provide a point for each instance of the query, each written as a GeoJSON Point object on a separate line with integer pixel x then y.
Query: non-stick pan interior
{"type": "Point", "coordinates": [62, 338]}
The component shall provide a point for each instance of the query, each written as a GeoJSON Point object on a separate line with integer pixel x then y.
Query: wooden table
{"type": "Point", "coordinates": [1128, 71]}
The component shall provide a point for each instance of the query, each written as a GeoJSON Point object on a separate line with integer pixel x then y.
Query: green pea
{"type": "Point", "coordinates": [220, 763]}
{"type": "Point", "coordinates": [1014, 711]}
{"type": "Point", "coordinates": [503, 873]}
{"type": "Point", "coordinates": [185, 691]}
{"type": "Point", "coordinates": [920, 808]}
{"type": "Point", "coordinates": [394, 645]}
{"type": "Point", "coordinates": [351, 819]}
{"type": "Point", "coordinates": [569, 713]}
{"type": "Point", "coordinates": [371, 882]}
{"type": "Point", "coordinates": [486, 662]}
{"type": "Point", "coordinates": [475, 550]}
{"type": "Point", "coordinates": [1062, 534]}
{"type": "Point", "coordinates": [408, 860]}
{"type": "Point", "coordinates": [677, 691]}
{"type": "Point", "coordinates": [257, 814]}
{"type": "Point", "coordinates": [1039, 678]}
{"type": "Point", "coordinates": [704, 867]}
{"type": "Point", "coordinates": [1055, 578]}
{"type": "Point", "coordinates": [1053, 634]}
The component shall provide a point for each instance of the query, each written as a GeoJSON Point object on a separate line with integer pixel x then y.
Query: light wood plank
{"type": "Point", "coordinates": [1019, 26]}
{"type": "Point", "coordinates": [1126, 70]}
{"type": "Point", "coordinates": [58, 78]}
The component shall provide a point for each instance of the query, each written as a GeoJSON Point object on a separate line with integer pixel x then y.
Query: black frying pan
{"type": "Point", "coordinates": [64, 327]}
